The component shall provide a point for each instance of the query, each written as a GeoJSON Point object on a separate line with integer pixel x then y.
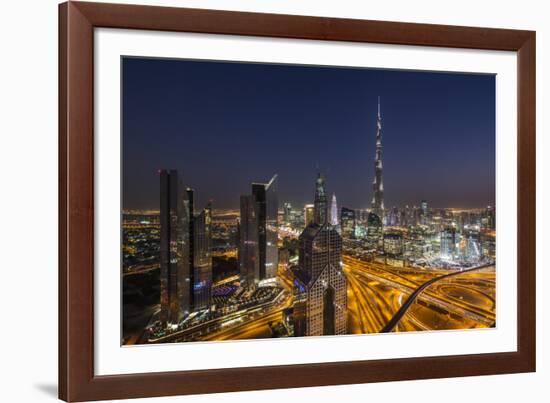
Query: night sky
{"type": "Point", "coordinates": [225, 125]}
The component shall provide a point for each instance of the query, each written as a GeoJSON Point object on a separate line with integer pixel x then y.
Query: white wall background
{"type": "Point", "coordinates": [28, 201]}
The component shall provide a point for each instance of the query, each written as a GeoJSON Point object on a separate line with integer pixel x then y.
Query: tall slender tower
{"type": "Point", "coordinates": [334, 219]}
{"type": "Point", "coordinates": [377, 203]}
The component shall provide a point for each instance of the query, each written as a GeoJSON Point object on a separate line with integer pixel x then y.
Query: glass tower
{"type": "Point", "coordinates": [347, 218]}
{"type": "Point", "coordinates": [265, 195]}
{"type": "Point", "coordinates": [448, 239]}
{"type": "Point", "coordinates": [249, 260]}
{"type": "Point", "coordinates": [308, 214]}
{"type": "Point", "coordinates": [172, 248]}
{"type": "Point", "coordinates": [202, 270]}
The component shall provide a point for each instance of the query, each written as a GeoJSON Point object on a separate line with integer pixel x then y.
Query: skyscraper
{"type": "Point", "coordinates": [202, 265]}
{"type": "Point", "coordinates": [488, 245]}
{"type": "Point", "coordinates": [448, 239]}
{"type": "Point", "coordinates": [472, 237]}
{"type": "Point", "coordinates": [172, 249]}
{"type": "Point", "coordinates": [424, 212]}
{"type": "Point", "coordinates": [189, 233]}
{"type": "Point", "coordinates": [393, 244]}
{"type": "Point", "coordinates": [320, 203]}
{"type": "Point", "coordinates": [249, 259]}
{"type": "Point", "coordinates": [334, 219]}
{"type": "Point", "coordinates": [374, 231]}
{"type": "Point", "coordinates": [287, 213]}
{"type": "Point", "coordinates": [377, 204]}
{"type": "Point", "coordinates": [196, 284]}
{"type": "Point", "coordinates": [347, 219]}
{"type": "Point", "coordinates": [490, 218]}
{"type": "Point", "coordinates": [424, 207]}
{"type": "Point", "coordinates": [265, 195]}
{"type": "Point", "coordinates": [308, 214]}
{"type": "Point", "coordinates": [320, 285]}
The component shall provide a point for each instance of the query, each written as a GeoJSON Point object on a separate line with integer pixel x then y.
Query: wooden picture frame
{"type": "Point", "coordinates": [77, 381]}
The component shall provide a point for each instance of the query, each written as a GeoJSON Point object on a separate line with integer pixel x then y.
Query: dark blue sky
{"type": "Point", "coordinates": [225, 125]}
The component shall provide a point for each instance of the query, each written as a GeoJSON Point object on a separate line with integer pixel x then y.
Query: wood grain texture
{"type": "Point", "coordinates": [63, 320]}
{"type": "Point", "coordinates": [77, 381]}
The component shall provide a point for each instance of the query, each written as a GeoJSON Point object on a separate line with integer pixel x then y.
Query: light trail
{"type": "Point", "coordinates": [376, 293]}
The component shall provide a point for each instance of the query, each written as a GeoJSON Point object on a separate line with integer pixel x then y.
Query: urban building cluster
{"type": "Point", "coordinates": [416, 236]}
{"type": "Point", "coordinates": [185, 251]}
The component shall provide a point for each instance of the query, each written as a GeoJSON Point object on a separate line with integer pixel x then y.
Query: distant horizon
{"type": "Point", "coordinates": [226, 125]}
{"type": "Point", "coordinates": [237, 208]}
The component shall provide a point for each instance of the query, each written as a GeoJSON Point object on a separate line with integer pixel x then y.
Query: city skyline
{"type": "Point", "coordinates": [342, 258]}
{"type": "Point", "coordinates": [412, 179]}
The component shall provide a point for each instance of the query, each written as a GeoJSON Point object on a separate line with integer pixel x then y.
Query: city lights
{"type": "Point", "coordinates": [278, 268]}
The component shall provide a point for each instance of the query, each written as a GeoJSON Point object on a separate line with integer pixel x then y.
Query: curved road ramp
{"type": "Point", "coordinates": [401, 312]}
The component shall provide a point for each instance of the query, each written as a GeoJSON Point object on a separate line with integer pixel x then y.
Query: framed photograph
{"type": "Point", "coordinates": [256, 201]}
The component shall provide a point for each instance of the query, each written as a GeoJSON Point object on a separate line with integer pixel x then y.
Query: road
{"type": "Point", "coordinates": [377, 291]}
{"type": "Point", "coordinates": [142, 269]}
{"type": "Point", "coordinates": [403, 309]}
{"type": "Point", "coordinates": [407, 299]}
{"type": "Point", "coordinates": [258, 326]}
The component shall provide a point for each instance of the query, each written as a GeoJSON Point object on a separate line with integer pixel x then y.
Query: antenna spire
{"type": "Point", "coordinates": [379, 106]}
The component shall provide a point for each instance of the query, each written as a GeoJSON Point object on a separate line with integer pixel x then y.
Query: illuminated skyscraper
{"type": "Point", "coordinates": [287, 213]}
{"type": "Point", "coordinates": [202, 267]}
{"type": "Point", "coordinates": [424, 207]}
{"type": "Point", "coordinates": [393, 244]}
{"type": "Point", "coordinates": [265, 195]}
{"type": "Point", "coordinates": [334, 219]}
{"type": "Point", "coordinates": [448, 239]}
{"type": "Point", "coordinates": [172, 250]}
{"type": "Point", "coordinates": [249, 254]}
{"type": "Point", "coordinates": [393, 216]}
{"type": "Point", "coordinates": [488, 245]}
{"type": "Point", "coordinates": [424, 219]}
{"type": "Point", "coordinates": [320, 202]}
{"type": "Point", "coordinates": [197, 235]}
{"type": "Point", "coordinates": [188, 233]}
{"type": "Point", "coordinates": [347, 219]}
{"type": "Point", "coordinates": [320, 285]}
{"type": "Point", "coordinates": [308, 214]}
{"type": "Point", "coordinates": [472, 238]}
{"type": "Point", "coordinates": [377, 204]}
{"type": "Point", "coordinates": [374, 231]}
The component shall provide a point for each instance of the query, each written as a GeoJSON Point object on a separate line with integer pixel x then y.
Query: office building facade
{"type": "Point", "coordinates": [265, 195]}
{"type": "Point", "coordinates": [320, 203]}
{"type": "Point", "coordinates": [173, 298]}
{"type": "Point", "coordinates": [347, 220]}
{"type": "Point", "coordinates": [319, 284]}
{"type": "Point", "coordinates": [393, 244]}
{"type": "Point", "coordinates": [308, 214]}
{"type": "Point", "coordinates": [249, 253]}
{"type": "Point", "coordinates": [374, 231]}
{"type": "Point", "coordinates": [448, 240]}
{"type": "Point", "coordinates": [202, 259]}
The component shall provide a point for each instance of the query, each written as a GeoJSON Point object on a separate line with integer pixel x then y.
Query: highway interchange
{"type": "Point", "coordinates": [377, 291]}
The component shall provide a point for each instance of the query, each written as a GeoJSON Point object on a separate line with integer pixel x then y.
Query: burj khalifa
{"type": "Point", "coordinates": [377, 204]}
